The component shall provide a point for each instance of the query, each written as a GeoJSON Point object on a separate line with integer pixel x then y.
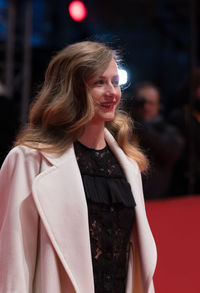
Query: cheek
{"type": "Point", "coordinates": [119, 95]}
{"type": "Point", "coordinates": [96, 95]}
{"type": "Point", "coordinates": [96, 100]}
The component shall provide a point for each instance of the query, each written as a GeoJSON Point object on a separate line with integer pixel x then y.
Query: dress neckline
{"type": "Point", "coordinates": [92, 149]}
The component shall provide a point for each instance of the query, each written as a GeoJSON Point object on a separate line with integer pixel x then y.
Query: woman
{"type": "Point", "coordinates": [72, 215]}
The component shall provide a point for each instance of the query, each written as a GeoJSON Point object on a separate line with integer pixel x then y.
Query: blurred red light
{"type": "Point", "coordinates": [77, 10]}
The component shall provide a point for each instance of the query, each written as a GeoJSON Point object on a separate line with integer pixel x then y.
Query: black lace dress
{"type": "Point", "coordinates": [111, 216]}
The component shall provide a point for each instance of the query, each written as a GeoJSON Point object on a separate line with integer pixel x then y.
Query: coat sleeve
{"type": "Point", "coordinates": [18, 221]}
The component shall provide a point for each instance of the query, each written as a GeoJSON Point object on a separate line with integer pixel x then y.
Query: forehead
{"type": "Point", "coordinates": [149, 93]}
{"type": "Point", "coordinates": [111, 69]}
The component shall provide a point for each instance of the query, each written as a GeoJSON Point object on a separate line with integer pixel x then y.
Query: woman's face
{"type": "Point", "coordinates": [106, 93]}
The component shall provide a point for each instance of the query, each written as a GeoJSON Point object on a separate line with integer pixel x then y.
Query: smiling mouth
{"type": "Point", "coordinates": [107, 105]}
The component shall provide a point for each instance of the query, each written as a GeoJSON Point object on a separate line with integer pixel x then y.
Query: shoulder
{"type": "Point", "coordinates": [123, 158]}
{"type": "Point", "coordinates": [23, 152]}
{"type": "Point", "coordinates": [134, 164]}
{"type": "Point", "coordinates": [22, 157]}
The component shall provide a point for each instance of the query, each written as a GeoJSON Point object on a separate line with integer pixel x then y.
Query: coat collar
{"type": "Point", "coordinates": [56, 159]}
{"type": "Point", "coordinates": [60, 199]}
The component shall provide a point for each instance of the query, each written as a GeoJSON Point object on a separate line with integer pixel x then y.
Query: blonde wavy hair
{"type": "Point", "coordinates": [64, 106]}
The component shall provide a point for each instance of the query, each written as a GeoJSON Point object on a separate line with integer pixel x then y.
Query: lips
{"type": "Point", "coordinates": [107, 105]}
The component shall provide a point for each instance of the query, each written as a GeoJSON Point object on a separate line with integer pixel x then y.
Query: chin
{"type": "Point", "coordinates": [104, 117]}
{"type": "Point", "coordinates": [109, 115]}
{"type": "Point", "coordinates": [109, 118]}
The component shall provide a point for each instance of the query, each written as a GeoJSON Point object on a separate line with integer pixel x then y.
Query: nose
{"type": "Point", "coordinates": [110, 89]}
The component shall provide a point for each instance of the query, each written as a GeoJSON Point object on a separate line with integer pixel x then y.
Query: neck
{"type": "Point", "coordinates": [93, 136]}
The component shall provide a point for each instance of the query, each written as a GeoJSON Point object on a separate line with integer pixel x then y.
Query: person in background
{"type": "Point", "coordinates": [72, 213]}
{"type": "Point", "coordinates": [186, 117]}
{"type": "Point", "coordinates": [161, 141]}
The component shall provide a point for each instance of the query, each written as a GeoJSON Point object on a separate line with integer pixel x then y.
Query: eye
{"type": "Point", "coordinates": [115, 82]}
{"type": "Point", "coordinates": [99, 82]}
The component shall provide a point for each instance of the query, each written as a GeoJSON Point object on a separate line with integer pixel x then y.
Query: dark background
{"type": "Point", "coordinates": [159, 42]}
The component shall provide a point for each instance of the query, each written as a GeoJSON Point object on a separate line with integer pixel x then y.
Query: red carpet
{"type": "Point", "coordinates": [175, 224]}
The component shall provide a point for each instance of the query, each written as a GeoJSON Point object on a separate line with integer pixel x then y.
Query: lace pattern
{"type": "Point", "coordinates": [110, 214]}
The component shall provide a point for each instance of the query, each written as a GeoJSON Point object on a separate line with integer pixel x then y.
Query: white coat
{"type": "Point", "coordinates": [44, 235]}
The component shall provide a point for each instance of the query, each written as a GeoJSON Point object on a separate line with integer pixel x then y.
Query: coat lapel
{"type": "Point", "coordinates": [60, 199]}
{"type": "Point", "coordinates": [142, 234]}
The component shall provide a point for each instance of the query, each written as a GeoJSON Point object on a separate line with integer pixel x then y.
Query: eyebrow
{"type": "Point", "coordinates": [114, 76]}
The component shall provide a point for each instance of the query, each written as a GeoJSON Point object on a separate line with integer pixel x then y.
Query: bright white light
{"type": "Point", "coordinates": [123, 76]}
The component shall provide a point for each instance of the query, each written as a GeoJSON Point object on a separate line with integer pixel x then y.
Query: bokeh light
{"type": "Point", "coordinates": [77, 10]}
{"type": "Point", "coordinates": [123, 76]}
